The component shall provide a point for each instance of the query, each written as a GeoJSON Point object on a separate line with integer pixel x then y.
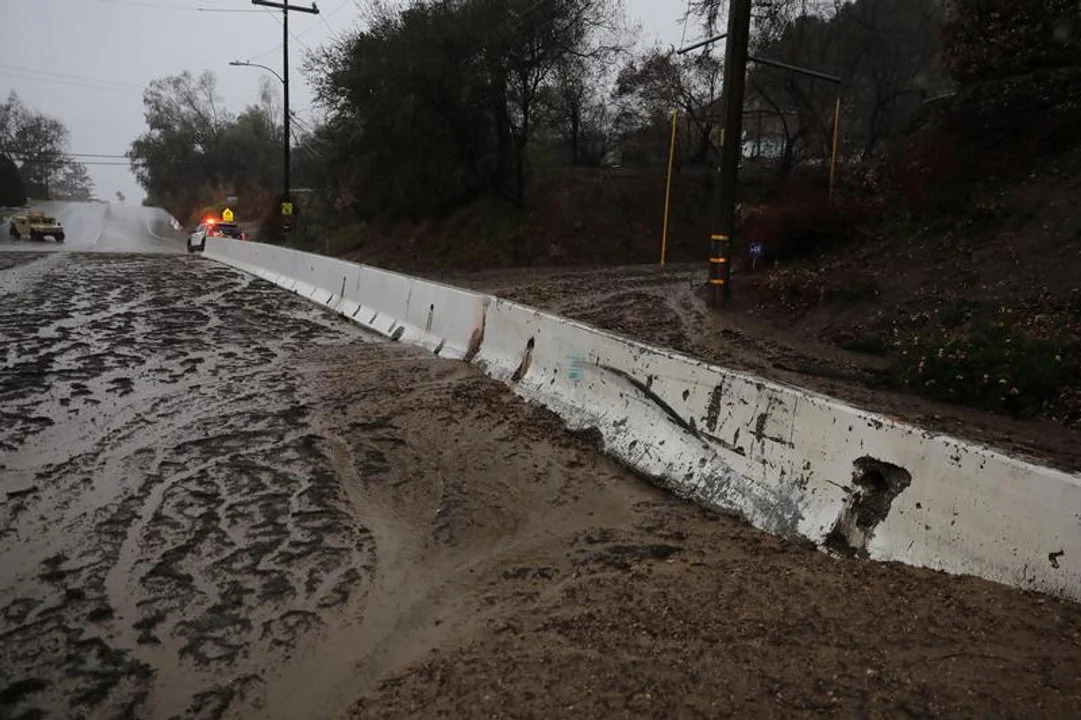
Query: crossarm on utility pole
{"type": "Point", "coordinates": [285, 7]}
{"type": "Point", "coordinates": [795, 69]}
{"type": "Point", "coordinates": [707, 41]}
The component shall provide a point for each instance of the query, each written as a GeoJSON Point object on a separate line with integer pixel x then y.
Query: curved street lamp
{"type": "Point", "coordinates": [285, 7]}
{"type": "Point", "coordinates": [272, 71]}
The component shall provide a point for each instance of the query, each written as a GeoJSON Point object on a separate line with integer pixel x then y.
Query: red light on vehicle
{"type": "Point", "coordinates": [211, 221]}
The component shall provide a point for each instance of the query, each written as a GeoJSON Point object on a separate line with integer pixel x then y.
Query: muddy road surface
{"type": "Point", "coordinates": [166, 512]}
{"type": "Point", "coordinates": [218, 501]}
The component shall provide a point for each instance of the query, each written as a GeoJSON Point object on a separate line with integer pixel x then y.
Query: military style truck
{"type": "Point", "coordinates": [37, 226]}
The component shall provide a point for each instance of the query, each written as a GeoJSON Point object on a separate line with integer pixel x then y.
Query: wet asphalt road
{"type": "Point", "coordinates": [163, 504]}
{"type": "Point", "coordinates": [102, 227]}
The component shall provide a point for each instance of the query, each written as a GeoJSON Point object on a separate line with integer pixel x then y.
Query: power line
{"type": "Point", "coordinates": [291, 33]}
{"type": "Point", "coordinates": [102, 81]}
{"type": "Point", "coordinates": [295, 37]}
{"type": "Point", "coordinates": [334, 33]}
{"type": "Point", "coordinates": [18, 71]}
{"type": "Point", "coordinates": [70, 83]}
{"type": "Point", "coordinates": [171, 6]}
{"type": "Point", "coordinates": [103, 163]}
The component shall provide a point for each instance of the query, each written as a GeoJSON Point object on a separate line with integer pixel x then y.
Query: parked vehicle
{"type": "Point", "coordinates": [37, 226]}
{"type": "Point", "coordinates": [212, 228]}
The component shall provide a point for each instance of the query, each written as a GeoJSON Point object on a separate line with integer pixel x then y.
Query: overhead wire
{"type": "Point", "coordinates": [67, 79]}
{"type": "Point", "coordinates": [298, 37]}
{"type": "Point", "coordinates": [293, 35]}
{"type": "Point", "coordinates": [57, 81]}
{"type": "Point", "coordinates": [172, 6]}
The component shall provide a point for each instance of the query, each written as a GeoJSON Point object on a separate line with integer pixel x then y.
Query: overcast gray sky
{"type": "Point", "coordinates": [87, 61]}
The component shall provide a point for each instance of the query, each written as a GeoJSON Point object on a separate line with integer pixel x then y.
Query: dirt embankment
{"type": "Point", "coordinates": [518, 572]}
{"type": "Point", "coordinates": [667, 307]}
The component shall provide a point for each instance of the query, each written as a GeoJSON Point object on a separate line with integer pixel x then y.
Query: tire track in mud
{"type": "Point", "coordinates": [170, 530]}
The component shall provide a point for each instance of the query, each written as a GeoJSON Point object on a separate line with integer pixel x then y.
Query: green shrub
{"type": "Point", "coordinates": [1010, 363]}
{"type": "Point", "coordinates": [804, 224]}
{"type": "Point", "coordinates": [796, 290]}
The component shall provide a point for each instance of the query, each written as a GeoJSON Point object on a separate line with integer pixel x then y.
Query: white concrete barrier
{"type": "Point", "coordinates": [792, 462]}
{"type": "Point", "coordinates": [444, 319]}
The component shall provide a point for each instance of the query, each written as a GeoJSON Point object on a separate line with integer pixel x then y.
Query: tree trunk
{"type": "Point", "coordinates": [520, 148]}
{"type": "Point", "coordinates": [576, 134]}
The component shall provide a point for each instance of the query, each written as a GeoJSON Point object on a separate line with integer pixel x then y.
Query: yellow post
{"type": "Point", "coordinates": [668, 188]}
{"type": "Point", "coordinates": [836, 138]}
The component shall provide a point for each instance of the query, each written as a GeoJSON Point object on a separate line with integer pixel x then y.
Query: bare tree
{"type": "Point", "coordinates": [651, 86]}
{"type": "Point", "coordinates": [38, 143]}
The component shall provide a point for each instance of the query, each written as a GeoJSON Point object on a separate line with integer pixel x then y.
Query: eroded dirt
{"type": "Point", "coordinates": [218, 501]}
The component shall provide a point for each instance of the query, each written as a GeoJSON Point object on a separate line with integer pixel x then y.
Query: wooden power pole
{"type": "Point", "coordinates": [735, 82]}
{"type": "Point", "coordinates": [285, 7]}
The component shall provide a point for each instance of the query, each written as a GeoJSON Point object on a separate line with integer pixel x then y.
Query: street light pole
{"type": "Point", "coordinates": [272, 71]}
{"type": "Point", "coordinates": [285, 7]}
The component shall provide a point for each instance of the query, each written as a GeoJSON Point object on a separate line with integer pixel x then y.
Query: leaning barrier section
{"type": "Point", "coordinates": [791, 462]}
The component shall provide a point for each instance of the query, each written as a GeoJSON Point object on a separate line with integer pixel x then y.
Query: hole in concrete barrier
{"type": "Point", "coordinates": [527, 358]}
{"type": "Point", "coordinates": [397, 334]}
{"type": "Point", "coordinates": [875, 484]}
{"type": "Point", "coordinates": [431, 316]}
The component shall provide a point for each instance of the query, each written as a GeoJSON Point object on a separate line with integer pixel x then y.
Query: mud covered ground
{"type": "Point", "coordinates": [668, 308]}
{"type": "Point", "coordinates": [218, 501]}
{"type": "Point", "coordinates": [169, 526]}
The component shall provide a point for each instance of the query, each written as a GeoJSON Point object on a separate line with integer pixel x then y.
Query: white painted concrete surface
{"type": "Point", "coordinates": [790, 461]}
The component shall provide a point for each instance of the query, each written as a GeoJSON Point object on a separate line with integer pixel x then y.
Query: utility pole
{"type": "Point", "coordinates": [285, 7]}
{"type": "Point", "coordinates": [735, 81]}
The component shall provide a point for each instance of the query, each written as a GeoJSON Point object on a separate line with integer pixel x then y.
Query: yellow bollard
{"type": "Point", "coordinates": [668, 188]}
{"type": "Point", "coordinates": [836, 137]}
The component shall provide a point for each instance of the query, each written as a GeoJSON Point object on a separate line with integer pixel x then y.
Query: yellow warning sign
{"type": "Point", "coordinates": [227, 215]}
{"type": "Point", "coordinates": [287, 208]}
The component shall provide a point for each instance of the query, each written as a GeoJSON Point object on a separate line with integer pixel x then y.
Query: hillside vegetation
{"type": "Point", "coordinates": [470, 134]}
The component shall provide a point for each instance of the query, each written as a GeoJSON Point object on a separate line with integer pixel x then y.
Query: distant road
{"type": "Point", "coordinates": [104, 227]}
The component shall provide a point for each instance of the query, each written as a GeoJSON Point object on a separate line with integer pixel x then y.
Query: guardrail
{"type": "Point", "coordinates": [791, 462]}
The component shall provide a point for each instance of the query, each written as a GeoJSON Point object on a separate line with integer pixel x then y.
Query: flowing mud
{"type": "Point", "coordinates": [168, 526]}
{"type": "Point", "coordinates": [519, 573]}
{"type": "Point", "coordinates": [219, 501]}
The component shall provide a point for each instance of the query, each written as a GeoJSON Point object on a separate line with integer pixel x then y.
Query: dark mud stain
{"type": "Point", "coordinates": [624, 557]}
{"type": "Point", "coordinates": [714, 411]}
{"type": "Point", "coordinates": [21, 689]}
